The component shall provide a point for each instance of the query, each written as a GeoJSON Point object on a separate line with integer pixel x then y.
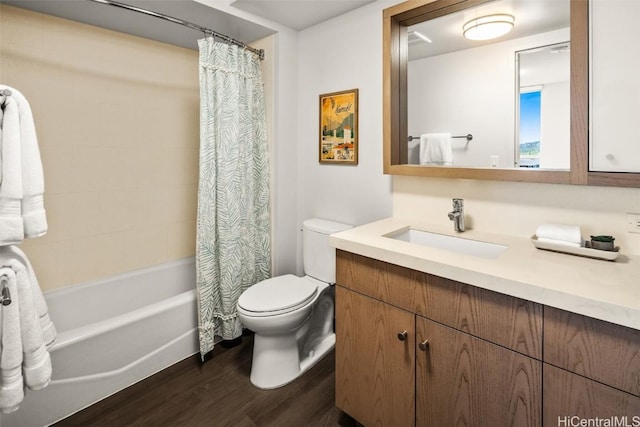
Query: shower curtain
{"type": "Point", "coordinates": [233, 243]}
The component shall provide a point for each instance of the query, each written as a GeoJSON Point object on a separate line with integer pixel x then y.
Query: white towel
{"type": "Point", "coordinates": [36, 365]}
{"type": "Point", "coordinates": [33, 213]}
{"type": "Point", "coordinates": [2, 98]}
{"type": "Point", "coordinates": [568, 235]}
{"type": "Point", "coordinates": [13, 254]}
{"type": "Point", "coordinates": [11, 382]}
{"type": "Point", "coordinates": [11, 223]}
{"type": "Point", "coordinates": [435, 149]}
{"type": "Point", "coordinates": [26, 328]}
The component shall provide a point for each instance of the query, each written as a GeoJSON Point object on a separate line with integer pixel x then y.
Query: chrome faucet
{"type": "Point", "coordinates": [457, 215]}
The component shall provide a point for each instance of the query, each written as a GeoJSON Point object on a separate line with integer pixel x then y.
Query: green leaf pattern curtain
{"type": "Point", "coordinates": [233, 239]}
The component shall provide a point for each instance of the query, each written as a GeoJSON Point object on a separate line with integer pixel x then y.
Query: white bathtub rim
{"type": "Point", "coordinates": [117, 277]}
{"type": "Point", "coordinates": [82, 333]}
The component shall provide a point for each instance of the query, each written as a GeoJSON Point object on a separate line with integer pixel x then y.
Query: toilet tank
{"type": "Point", "coordinates": [318, 256]}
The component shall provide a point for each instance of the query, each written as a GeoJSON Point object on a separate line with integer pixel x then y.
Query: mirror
{"type": "Point", "coordinates": [460, 86]}
{"type": "Point", "coordinates": [457, 87]}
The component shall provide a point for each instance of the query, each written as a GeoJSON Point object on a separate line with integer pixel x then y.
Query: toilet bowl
{"type": "Point", "coordinates": [277, 358]}
{"type": "Point", "coordinates": [291, 316]}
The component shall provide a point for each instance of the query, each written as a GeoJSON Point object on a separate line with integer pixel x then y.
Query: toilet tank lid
{"type": "Point", "coordinates": [324, 226]}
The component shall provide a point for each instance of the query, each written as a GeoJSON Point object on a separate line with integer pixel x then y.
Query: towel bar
{"type": "Point", "coordinates": [468, 137]}
{"type": "Point", "coordinates": [5, 295]}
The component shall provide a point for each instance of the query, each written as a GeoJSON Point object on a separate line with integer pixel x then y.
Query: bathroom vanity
{"type": "Point", "coordinates": [427, 336]}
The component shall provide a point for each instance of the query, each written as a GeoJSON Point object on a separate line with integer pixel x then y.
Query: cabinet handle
{"type": "Point", "coordinates": [402, 335]}
{"type": "Point", "coordinates": [424, 345]}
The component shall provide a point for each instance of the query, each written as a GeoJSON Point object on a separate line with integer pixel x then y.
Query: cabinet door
{"type": "Point", "coordinates": [593, 348]}
{"type": "Point", "coordinates": [570, 398]}
{"type": "Point", "coordinates": [465, 381]}
{"type": "Point", "coordinates": [375, 381]}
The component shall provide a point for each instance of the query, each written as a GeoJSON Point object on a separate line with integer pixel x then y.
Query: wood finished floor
{"type": "Point", "coordinates": [218, 393]}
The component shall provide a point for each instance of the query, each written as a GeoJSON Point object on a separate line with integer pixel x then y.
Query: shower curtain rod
{"type": "Point", "coordinates": [259, 52]}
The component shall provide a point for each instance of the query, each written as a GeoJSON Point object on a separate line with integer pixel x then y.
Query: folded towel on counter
{"type": "Point", "coordinates": [435, 149]}
{"type": "Point", "coordinates": [11, 223]}
{"type": "Point", "coordinates": [11, 382]}
{"type": "Point", "coordinates": [568, 235]}
{"type": "Point", "coordinates": [33, 213]}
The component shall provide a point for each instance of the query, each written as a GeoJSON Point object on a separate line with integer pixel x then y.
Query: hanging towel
{"type": "Point", "coordinates": [13, 254]}
{"type": "Point", "coordinates": [11, 382]}
{"type": "Point", "coordinates": [33, 213]}
{"type": "Point", "coordinates": [36, 365]}
{"type": "Point", "coordinates": [568, 235]}
{"type": "Point", "coordinates": [23, 335]}
{"type": "Point", "coordinates": [1, 114]}
{"type": "Point", "coordinates": [435, 149]}
{"type": "Point", "coordinates": [11, 223]}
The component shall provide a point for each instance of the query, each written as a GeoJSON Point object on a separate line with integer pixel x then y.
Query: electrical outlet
{"type": "Point", "coordinates": [633, 223]}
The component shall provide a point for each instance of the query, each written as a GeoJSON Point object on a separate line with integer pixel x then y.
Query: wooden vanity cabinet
{"type": "Point", "coordinates": [472, 357]}
{"type": "Point", "coordinates": [591, 369]}
{"type": "Point", "coordinates": [395, 367]}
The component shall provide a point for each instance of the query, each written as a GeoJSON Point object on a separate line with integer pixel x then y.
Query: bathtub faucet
{"type": "Point", "coordinates": [457, 215]}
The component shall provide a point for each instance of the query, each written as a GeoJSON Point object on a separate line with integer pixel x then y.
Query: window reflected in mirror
{"type": "Point", "coordinates": [529, 121]}
{"type": "Point", "coordinates": [543, 107]}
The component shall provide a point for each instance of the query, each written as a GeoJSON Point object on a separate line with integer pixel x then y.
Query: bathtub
{"type": "Point", "coordinates": [111, 334]}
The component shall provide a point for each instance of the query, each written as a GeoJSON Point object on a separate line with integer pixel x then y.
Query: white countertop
{"type": "Point", "coordinates": [604, 290]}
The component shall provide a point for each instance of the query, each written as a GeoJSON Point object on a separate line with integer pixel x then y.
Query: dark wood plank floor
{"type": "Point", "coordinates": [219, 393]}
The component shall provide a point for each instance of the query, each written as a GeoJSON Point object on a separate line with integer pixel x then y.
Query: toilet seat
{"type": "Point", "coordinates": [278, 295]}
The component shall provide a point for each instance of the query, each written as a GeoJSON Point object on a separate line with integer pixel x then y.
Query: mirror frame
{"type": "Point", "coordinates": [397, 18]}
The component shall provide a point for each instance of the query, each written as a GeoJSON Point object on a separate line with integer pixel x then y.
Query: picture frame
{"type": "Point", "coordinates": [339, 127]}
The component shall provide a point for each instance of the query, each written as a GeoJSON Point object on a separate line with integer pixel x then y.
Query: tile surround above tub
{"type": "Point", "coordinates": [120, 162]}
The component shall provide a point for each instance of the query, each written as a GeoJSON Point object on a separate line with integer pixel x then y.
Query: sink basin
{"type": "Point", "coordinates": [450, 243]}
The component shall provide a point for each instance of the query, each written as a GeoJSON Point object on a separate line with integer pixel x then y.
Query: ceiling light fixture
{"type": "Point", "coordinates": [488, 27]}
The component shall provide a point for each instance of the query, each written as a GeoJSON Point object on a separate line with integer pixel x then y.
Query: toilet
{"type": "Point", "coordinates": [291, 316]}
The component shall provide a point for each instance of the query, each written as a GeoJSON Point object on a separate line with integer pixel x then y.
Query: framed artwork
{"type": "Point", "coordinates": [339, 127]}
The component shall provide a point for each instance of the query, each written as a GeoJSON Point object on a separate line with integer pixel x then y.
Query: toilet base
{"type": "Point", "coordinates": [277, 360]}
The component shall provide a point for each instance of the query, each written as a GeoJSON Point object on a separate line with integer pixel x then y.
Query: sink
{"type": "Point", "coordinates": [449, 243]}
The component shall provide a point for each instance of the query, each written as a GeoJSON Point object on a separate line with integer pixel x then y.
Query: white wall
{"type": "Point", "coordinates": [555, 132]}
{"type": "Point", "coordinates": [343, 53]}
{"type": "Point", "coordinates": [471, 91]}
{"type": "Point", "coordinates": [285, 157]}
{"type": "Point", "coordinates": [518, 208]}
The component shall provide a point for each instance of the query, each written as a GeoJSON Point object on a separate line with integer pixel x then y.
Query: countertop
{"type": "Point", "coordinates": [605, 290]}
